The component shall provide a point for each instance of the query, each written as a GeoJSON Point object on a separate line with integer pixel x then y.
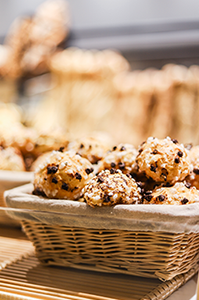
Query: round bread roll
{"type": "Point", "coordinates": [89, 147]}
{"type": "Point", "coordinates": [120, 157]}
{"type": "Point", "coordinates": [178, 194]}
{"type": "Point", "coordinates": [111, 187]}
{"type": "Point", "coordinates": [62, 175]}
{"type": "Point", "coordinates": [163, 160]}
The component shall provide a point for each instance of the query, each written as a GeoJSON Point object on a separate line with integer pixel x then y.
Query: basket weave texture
{"type": "Point", "coordinates": [142, 240]}
{"type": "Point", "coordinates": [148, 254]}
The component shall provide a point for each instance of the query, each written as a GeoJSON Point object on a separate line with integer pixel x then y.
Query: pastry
{"type": "Point", "coordinates": [111, 187]}
{"type": "Point", "coordinates": [89, 147]}
{"type": "Point", "coordinates": [120, 157]}
{"type": "Point", "coordinates": [193, 177]}
{"type": "Point", "coordinates": [163, 160]}
{"type": "Point", "coordinates": [62, 175]}
{"type": "Point", "coordinates": [39, 161]}
{"type": "Point", "coordinates": [11, 159]}
{"type": "Point", "coordinates": [178, 194]}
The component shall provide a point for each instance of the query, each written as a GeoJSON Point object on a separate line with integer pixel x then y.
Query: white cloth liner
{"type": "Point", "coordinates": [140, 217]}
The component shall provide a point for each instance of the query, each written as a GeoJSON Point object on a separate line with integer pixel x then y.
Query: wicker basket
{"type": "Point", "coordinates": [132, 243]}
{"type": "Point", "coordinates": [9, 180]}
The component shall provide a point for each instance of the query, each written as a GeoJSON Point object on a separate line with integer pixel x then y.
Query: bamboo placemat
{"type": "Point", "coordinates": [28, 279]}
{"type": "Point", "coordinates": [13, 245]}
{"type": "Point", "coordinates": [23, 277]}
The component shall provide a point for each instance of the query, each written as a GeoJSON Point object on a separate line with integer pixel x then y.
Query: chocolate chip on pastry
{"type": "Point", "coordinates": [63, 175]}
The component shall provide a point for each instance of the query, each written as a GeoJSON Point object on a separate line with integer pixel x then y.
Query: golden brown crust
{"type": "Point", "coordinates": [62, 175]}
{"type": "Point", "coordinates": [89, 147]}
{"type": "Point", "coordinates": [163, 160]}
{"type": "Point", "coordinates": [179, 194]}
{"type": "Point", "coordinates": [121, 157]}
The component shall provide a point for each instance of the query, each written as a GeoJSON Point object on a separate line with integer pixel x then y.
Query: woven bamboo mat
{"type": "Point", "coordinates": [23, 277]}
{"type": "Point", "coordinates": [13, 245]}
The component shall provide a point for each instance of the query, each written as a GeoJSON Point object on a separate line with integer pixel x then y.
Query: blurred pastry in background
{"type": "Point", "coordinates": [133, 95]}
{"type": "Point", "coordinates": [8, 87]}
{"type": "Point", "coordinates": [83, 98]}
{"type": "Point", "coordinates": [33, 39]}
{"type": "Point", "coordinates": [11, 159]}
{"type": "Point", "coordinates": [10, 114]}
{"type": "Point", "coordinates": [30, 142]}
{"type": "Point", "coordinates": [183, 101]}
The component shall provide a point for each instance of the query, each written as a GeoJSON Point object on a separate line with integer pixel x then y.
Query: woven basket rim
{"type": "Point", "coordinates": [141, 217]}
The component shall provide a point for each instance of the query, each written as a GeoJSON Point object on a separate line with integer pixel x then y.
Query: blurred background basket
{"type": "Point", "coordinates": [141, 240]}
